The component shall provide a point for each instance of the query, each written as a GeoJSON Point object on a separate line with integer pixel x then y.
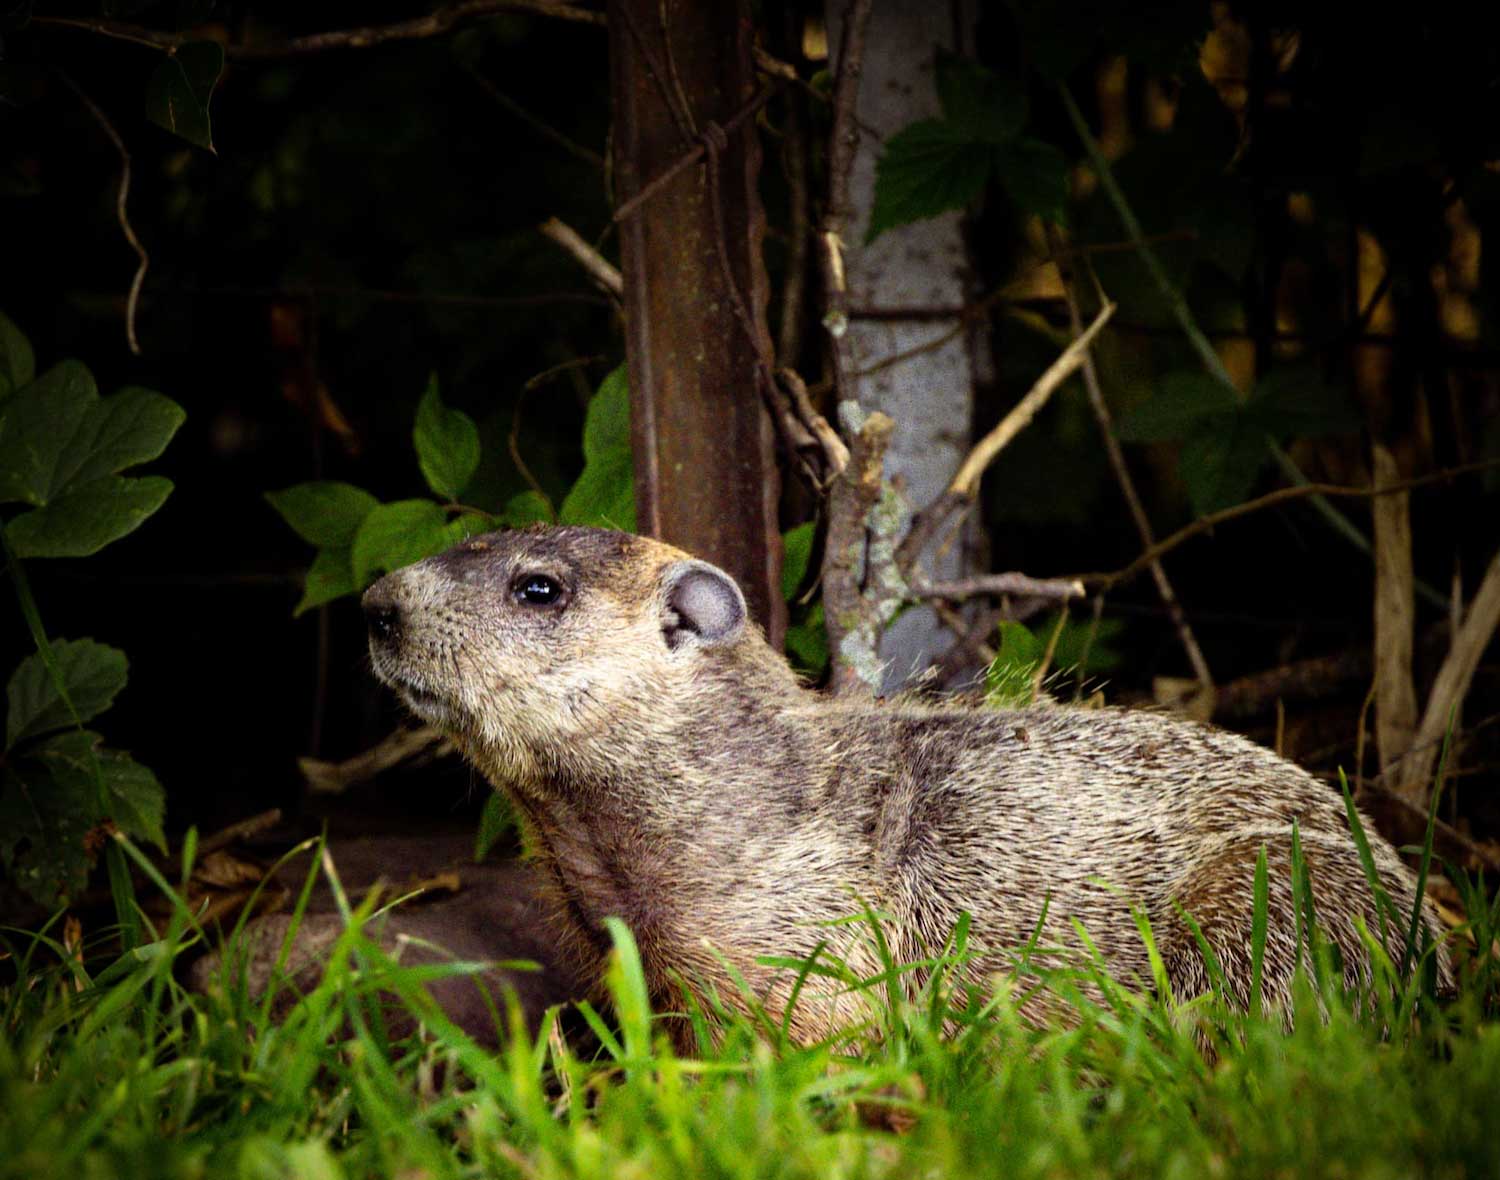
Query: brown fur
{"type": "Point", "coordinates": [689, 785]}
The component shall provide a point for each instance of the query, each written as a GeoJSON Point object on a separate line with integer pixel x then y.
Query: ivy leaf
{"type": "Point", "coordinates": [178, 93]}
{"type": "Point", "coordinates": [92, 673]}
{"type": "Point", "coordinates": [796, 554]}
{"type": "Point", "coordinates": [83, 520]}
{"type": "Point", "coordinates": [324, 512]}
{"type": "Point", "coordinates": [61, 449]}
{"type": "Point", "coordinates": [605, 491]}
{"type": "Point", "coordinates": [1182, 403]}
{"type": "Point", "coordinates": [17, 362]}
{"type": "Point", "coordinates": [1297, 402]}
{"type": "Point", "coordinates": [447, 443]}
{"type": "Point", "coordinates": [1219, 463]}
{"type": "Point", "coordinates": [984, 106]}
{"type": "Point", "coordinates": [1035, 175]}
{"type": "Point", "coordinates": [395, 535]}
{"type": "Point", "coordinates": [926, 169]}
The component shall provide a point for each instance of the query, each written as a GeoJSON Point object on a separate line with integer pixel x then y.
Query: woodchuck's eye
{"type": "Point", "coordinates": [537, 590]}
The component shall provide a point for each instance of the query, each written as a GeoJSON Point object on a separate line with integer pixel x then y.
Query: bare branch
{"type": "Point", "coordinates": [1016, 585]}
{"type": "Point", "coordinates": [966, 482]}
{"type": "Point", "coordinates": [598, 267]}
{"type": "Point", "coordinates": [1280, 496]}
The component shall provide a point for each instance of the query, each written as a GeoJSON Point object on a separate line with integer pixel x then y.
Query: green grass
{"type": "Point", "coordinates": [122, 1072]}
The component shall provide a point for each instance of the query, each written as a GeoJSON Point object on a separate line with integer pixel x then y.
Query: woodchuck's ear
{"type": "Point", "coordinates": [703, 605]}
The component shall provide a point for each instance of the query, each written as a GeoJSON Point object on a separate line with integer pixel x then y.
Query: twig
{"type": "Point", "coordinates": [1122, 476]}
{"type": "Point", "coordinates": [240, 830]}
{"type": "Point", "coordinates": [1453, 680]}
{"type": "Point", "coordinates": [133, 299]}
{"type": "Point", "coordinates": [843, 142]}
{"type": "Point", "coordinates": [1019, 585]}
{"type": "Point", "coordinates": [331, 778]}
{"type": "Point", "coordinates": [540, 126]}
{"type": "Point", "coordinates": [597, 266]}
{"type": "Point", "coordinates": [1038, 676]}
{"type": "Point", "coordinates": [438, 298]}
{"type": "Point", "coordinates": [966, 482]}
{"type": "Point", "coordinates": [1280, 496]}
{"type": "Point", "coordinates": [434, 24]}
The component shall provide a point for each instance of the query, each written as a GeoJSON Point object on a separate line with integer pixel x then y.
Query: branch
{"type": "Point", "coordinates": [433, 24]}
{"type": "Point", "coordinates": [598, 267]}
{"type": "Point", "coordinates": [1204, 524]}
{"type": "Point", "coordinates": [133, 299]}
{"type": "Point", "coordinates": [1121, 469]}
{"type": "Point", "coordinates": [1016, 585]}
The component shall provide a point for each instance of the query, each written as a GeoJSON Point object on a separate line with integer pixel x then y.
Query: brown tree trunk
{"type": "Point", "coordinates": [705, 470]}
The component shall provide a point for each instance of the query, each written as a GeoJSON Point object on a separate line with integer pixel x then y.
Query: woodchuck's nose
{"type": "Point", "coordinates": [382, 614]}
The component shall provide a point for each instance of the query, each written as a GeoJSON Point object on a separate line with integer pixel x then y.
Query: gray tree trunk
{"type": "Point", "coordinates": [930, 395]}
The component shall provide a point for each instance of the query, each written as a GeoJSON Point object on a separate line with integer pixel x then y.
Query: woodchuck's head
{"type": "Point", "coordinates": [541, 647]}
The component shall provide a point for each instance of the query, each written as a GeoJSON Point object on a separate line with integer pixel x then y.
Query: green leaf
{"type": "Point", "coordinates": [807, 643]}
{"type": "Point", "coordinates": [1008, 678]}
{"type": "Point", "coordinates": [83, 520]}
{"type": "Point", "coordinates": [496, 820]}
{"type": "Point", "coordinates": [17, 362]}
{"type": "Point", "coordinates": [325, 512]}
{"type": "Point", "coordinates": [1180, 405]}
{"type": "Point", "coordinates": [1219, 464]}
{"type": "Point", "coordinates": [1297, 402]}
{"type": "Point", "coordinates": [796, 553]}
{"type": "Point", "coordinates": [92, 673]}
{"type": "Point", "coordinates": [926, 169]}
{"type": "Point", "coordinates": [395, 535]}
{"type": "Point", "coordinates": [60, 449]}
{"type": "Point", "coordinates": [982, 105]}
{"type": "Point", "coordinates": [135, 800]}
{"type": "Point", "coordinates": [43, 827]}
{"type": "Point", "coordinates": [447, 443]}
{"type": "Point", "coordinates": [1073, 644]}
{"type": "Point", "coordinates": [39, 422]}
{"type": "Point", "coordinates": [605, 491]}
{"type": "Point", "coordinates": [178, 93]}
{"type": "Point", "coordinates": [528, 507]}
{"type": "Point", "coordinates": [1035, 175]}
{"type": "Point", "coordinates": [330, 576]}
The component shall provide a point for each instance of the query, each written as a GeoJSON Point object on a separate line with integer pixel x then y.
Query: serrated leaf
{"type": "Point", "coordinates": [796, 553]}
{"type": "Point", "coordinates": [604, 494]}
{"type": "Point", "coordinates": [1297, 402]}
{"type": "Point", "coordinates": [83, 520]}
{"type": "Point", "coordinates": [1035, 175]}
{"type": "Point", "coordinates": [1179, 405]}
{"type": "Point", "coordinates": [447, 443]}
{"type": "Point", "coordinates": [134, 799]}
{"type": "Point", "coordinates": [42, 833]}
{"type": "Point", "coordinates": [528, 507]}
{"type": "Point", "coordinates": [1219, 464]}
{"type": "Point", "coordinates": [17, 361]}
{"type": "Point", "coordinates": [92, 673]}
{"type": "Point", "coordinates": [395, 535]}
{"type": "Point", "coordinates": [330, 576]}
{"type": "Point", "coordinates": [178, 93]}
{"type": "Point", "coordinates": [324, 512]}
{"type": "Point", "coordinates": [984, 106]}
{"type": "Point", "coordinates": [926, 169]}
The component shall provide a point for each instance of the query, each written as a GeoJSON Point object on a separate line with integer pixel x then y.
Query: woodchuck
{"type": "Point", "coordinates": [671, 770]}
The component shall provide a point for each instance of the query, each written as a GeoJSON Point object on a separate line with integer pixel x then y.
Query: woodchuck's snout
{"type": "Point", "coordinates": [672, 771]}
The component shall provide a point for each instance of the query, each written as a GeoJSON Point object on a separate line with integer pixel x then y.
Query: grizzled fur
{"type": "Point", "coordinates": [672, 771]}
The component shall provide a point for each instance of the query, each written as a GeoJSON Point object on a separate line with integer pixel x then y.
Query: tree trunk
{"type": "Point", "coordinates": [705, 471]}
{"type": "Point", "coordinates": [914, 267]}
